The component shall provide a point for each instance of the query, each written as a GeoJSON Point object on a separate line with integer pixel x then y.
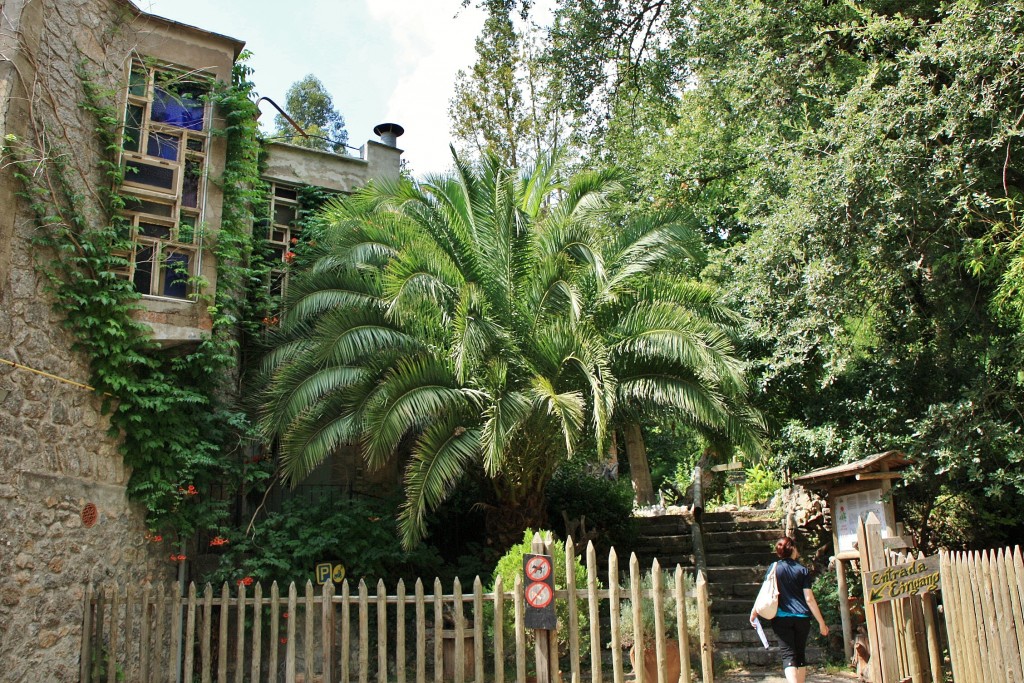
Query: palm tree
{"type": "Point", "coordinates": [491, 322]}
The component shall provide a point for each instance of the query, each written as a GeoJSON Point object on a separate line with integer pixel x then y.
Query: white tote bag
{"type": "Point", "coordinates": [767, 602]}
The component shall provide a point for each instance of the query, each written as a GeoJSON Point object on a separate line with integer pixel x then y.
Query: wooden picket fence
{"type": "Point", "coordinates": [919, 644]}
{"type": "Point", "coordinates": [983, 600]}
{"type": "Point", "coordinates": [319, 634]}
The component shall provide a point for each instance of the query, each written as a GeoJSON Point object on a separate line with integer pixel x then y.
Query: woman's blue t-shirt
{"type": "Point", "coordinates": [792, 578]}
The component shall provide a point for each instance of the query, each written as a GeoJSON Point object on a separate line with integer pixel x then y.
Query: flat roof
{"type": "Point", "coordinates": [872, 463]}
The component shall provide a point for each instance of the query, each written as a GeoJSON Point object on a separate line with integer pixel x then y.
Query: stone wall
{"type": "Point", "coordinates": [55, 453]}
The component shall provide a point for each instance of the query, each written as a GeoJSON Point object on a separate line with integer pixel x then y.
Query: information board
{"type": "Point", "coordinates": [853, 507]}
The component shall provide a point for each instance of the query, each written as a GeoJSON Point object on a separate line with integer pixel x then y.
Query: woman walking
{"type": "Point", "coordinates": [792, 622]}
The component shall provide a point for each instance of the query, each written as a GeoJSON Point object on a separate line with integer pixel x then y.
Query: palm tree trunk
{"type": "Point", "coordinates": [639, 469]}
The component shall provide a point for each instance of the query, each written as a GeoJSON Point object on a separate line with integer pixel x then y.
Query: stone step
{"type": "Point", "coordinates": [740, 515]}
{"type": "Point", "coordinates": [742, 635]}
{"type": "Point", "coordinates": [733, 574]}
{"type": "Point", "coordinates": [734, 621]}
{"type": "Point", "coordinates": [662, 524]}
{"type": "Point", "coordinates": [734, 590]}
{"type": "Point", "coordinates": [747, 656]}
{"type": "Point", "coordinates": [743, 559]}
{"type": "Point", "coordinates": [752, 540]}
{"type": "Point", "coordinates": [666, 541]}
{"type": "Point", "coordinates": [743, 525]}
{"type": "Point", "coordinates": [731, 605]}
{"type": "Point", "coordinates": [667, 560]}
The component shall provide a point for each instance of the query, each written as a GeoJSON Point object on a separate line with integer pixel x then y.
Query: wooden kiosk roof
{"type": "Point", "coordinates": [832, 476]}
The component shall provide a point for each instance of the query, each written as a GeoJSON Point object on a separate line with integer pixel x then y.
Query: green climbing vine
{"type": "Point", "coordinates": [181, 431]}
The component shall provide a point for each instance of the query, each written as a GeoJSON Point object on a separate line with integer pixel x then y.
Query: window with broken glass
{"type": "Point", "coordinates": [165, 145]}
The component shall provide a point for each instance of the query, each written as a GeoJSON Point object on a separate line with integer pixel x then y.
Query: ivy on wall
{"type": "Point", "coordinates": [179, 426]}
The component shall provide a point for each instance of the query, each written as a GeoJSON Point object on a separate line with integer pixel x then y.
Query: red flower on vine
{"type": "Point", "coordinates": [295, 240]}
{"type": "Point", "coordinates": [247, 581]}
{"type": "Point", "coordinates": [285, 615]}
{"type": "Point", "coordinates": [219, 540]}
{"type": "Point", "coordinates": [190, 491]}
{"type": "Point", "coordinates": [284, 640]}
{"type": "Point", "coordinates": [154, 538]}
{"type": "Point", "coordinates": [271, 321]}
{"type": "Point", "coordinates": [178, 558]}
{"type": "Point", "coordinates": [289, 256]}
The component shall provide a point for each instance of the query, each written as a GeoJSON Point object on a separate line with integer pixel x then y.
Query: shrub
{"type": "Point", "coordinates": [762, 483]}
{"type": "Point", "coordinates": [286, 546]}
{"type": "Point", "coordinates": [605, 505]}
{"type": "Point", "coordinates": [511, 565]}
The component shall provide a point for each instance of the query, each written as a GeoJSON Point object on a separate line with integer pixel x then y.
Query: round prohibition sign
{"type": "Point", "coordinates": [538, 568]}
{"type": "Point", "coordinates": [538, 595]}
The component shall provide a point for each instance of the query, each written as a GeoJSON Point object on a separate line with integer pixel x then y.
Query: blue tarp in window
{"type": "Point", "coordinates": [184, 110]}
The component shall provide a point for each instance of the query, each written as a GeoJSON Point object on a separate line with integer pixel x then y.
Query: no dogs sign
{"type": "Point", "coordinates": [539, 591]}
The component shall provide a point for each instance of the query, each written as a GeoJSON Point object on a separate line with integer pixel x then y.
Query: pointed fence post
{"type": "Point", "coordinates": [574, 618]}
{"type": "Point", "coordinates": [707, 653]}
{"type": "Point", "coordinates": [541, 647]}
{"type": "Point", "coordinates": [613, 615]}
{"type": "Point", "coordinates": [594, 614]}
{"type": "Point", "coordinates": [881, 629]}
{"type": "Point", "coordinates": [638, 619]}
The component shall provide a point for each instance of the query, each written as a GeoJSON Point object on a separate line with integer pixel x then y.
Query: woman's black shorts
{"type": "Point", "coordinates": [792, 633]}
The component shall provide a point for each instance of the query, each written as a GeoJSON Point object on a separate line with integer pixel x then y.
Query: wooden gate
{"type": "Point", "coordinates": [246, 633]}
{"type": "Point", "coordinates": [982, 594]}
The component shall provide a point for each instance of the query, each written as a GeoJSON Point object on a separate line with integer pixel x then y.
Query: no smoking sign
{"type": "Point", "coordinates": [539, 592]}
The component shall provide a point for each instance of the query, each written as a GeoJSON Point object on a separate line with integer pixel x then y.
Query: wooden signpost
{"type": "Point", "coordinates": [903, 580]}
{"type": "Point", "coordinates": [538, 594]}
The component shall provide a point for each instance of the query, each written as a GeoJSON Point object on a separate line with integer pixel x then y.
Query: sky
{"type": "Point", "coordinates": [381, 60]}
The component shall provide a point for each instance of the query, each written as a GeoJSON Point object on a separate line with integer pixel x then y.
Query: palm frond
{"type": "Point", "coordinates": [439, 460]}
{"type": "Point", "coordinates": [504, 414]}
{"type": "Point", "coordinates": [414, 393]}
{"type": "Point", "coordinates": [567, 408]}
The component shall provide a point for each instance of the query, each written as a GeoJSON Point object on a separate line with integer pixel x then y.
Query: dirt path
{"type": "Point", "coordinates": [775, 676]}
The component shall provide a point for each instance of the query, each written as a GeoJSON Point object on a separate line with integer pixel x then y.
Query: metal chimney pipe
{"type": "Point", "coordinates": [388, 133]}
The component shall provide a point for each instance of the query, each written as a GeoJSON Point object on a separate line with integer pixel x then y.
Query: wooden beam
{"type": "Point", "coordinates": [869, 476]}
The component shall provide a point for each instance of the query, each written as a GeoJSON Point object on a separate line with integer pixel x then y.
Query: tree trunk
{"type": "Point", "coordinates": [506, 521]}
{"type": "Point", "coordinates": [639, 469]}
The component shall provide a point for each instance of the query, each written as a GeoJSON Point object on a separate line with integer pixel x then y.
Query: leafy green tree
{"type": "Point", "coordinates": [855, 168]}
{"type": "Point", "coordinates": [508, 104]}
{"type": "Point", "coordinates": [312, 107]}
{"type": "Point", "coordinates": [493, 323]}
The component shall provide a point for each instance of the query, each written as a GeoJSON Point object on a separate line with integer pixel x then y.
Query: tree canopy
{"type": "Point", "coordinates": [855, 171]}
{"type": "Point", "coordinates": [312, 107]}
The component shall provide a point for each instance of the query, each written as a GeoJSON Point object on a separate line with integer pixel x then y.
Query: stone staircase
{"type": "Point", "coordinates": [738, 547]}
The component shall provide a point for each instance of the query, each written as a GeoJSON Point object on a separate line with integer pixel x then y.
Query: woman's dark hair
{"type": "Point", "coordinates": [784, 547]}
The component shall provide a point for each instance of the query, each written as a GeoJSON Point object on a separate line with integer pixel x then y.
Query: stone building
{"type": "Point", "coordinates": [64, 516]}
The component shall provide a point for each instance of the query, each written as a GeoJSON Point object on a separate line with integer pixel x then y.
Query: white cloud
{"type": "Point", "coordinates": [431, 44]}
